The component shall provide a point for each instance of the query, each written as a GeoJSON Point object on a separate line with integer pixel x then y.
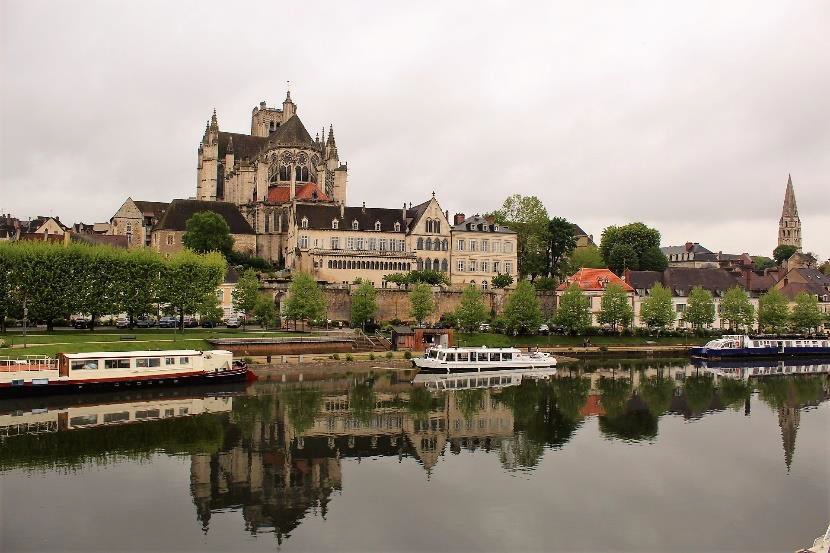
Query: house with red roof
{"type": "Point", "coordinates": [593, 283]}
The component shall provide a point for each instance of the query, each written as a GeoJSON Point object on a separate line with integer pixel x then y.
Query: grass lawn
{"type": "Point", "coordinates": [109, 339]}
{"type": "Point", "coordinates": [501, 340]}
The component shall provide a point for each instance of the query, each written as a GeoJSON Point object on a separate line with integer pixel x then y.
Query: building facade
{"type": "Point", "coordinates": [481, 249]}
{"type": "Point", "coordinates": [168, 233]}
{"type": "Point", "coordinates": [593, 283]}
{"type": "Point", "coordinates": [135, 220]}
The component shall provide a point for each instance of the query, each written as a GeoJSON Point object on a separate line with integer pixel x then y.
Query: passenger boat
{"type": "Point", "coordinates": [820, 545]}
{"type": "Point", "coordinates": [115, 370]}
{"type": "Point", "coordinates": [480, 379]}
{"type": "Point", "coordinates": [757, 369]}
{"type": "Point", "coordinates": [446, 360]}
{"type": "Point", "coordinates": [761, 346]}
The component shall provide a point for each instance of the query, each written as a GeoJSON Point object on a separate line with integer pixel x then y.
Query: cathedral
{"type": "Point", "coordinates": [789, 226]}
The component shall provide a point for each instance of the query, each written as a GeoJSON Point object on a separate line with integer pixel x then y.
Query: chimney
{"type": "Point", "coordinates": [689, 246]}
{"type": "Point", "coordinates": [458, 218]}
{"type": "Point", "coordinates": [342, 210]}
{"type": "Point", "coordinates": [748, 279]}
{"type": "Point", "coordinates": [364, 207]}
{"type": "Point", "coordinates": [403, 212]}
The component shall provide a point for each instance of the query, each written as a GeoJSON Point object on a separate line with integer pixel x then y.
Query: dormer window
{"type": "Point", "coordinates": [355, 225]}
{"type": "Point", "coordinates": [335, 224]}
{"type": "Point", "coordinates": [397, 227]}
{"type": "Point", "coordinates": [377, 225]}
{"type": "Point", "coordinates": [304, 222]}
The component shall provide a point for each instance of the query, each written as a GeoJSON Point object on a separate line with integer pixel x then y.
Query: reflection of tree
{"type": "Point", "coordinates": [699, 391]}
{"type": "Point", "coordinates": [362, 400]}
{"type": "Point", "coordinates": [535, 413]}
{"type": "Point", "coordinates": [521, 451]}
{"type": "Point", "coordinates": [657, 393]}
{"type": "Point", "coordinates": [631, 426]}
{"type": "Point", "coordinates": [420, 403]}
{"type": "Point", "coordinates": [302, 406]}
{"type": "Point", "coordinates": [469, 402]}
{"type": "Point", "coordinates": [248, 410]}
{"type": "Point", "coordinates": [523, 401]}
{"type": "Point", "coordinates": [614, 394]}
{"type": "Point", "coordinates": [808, 388]}
{"type": "Point", "coordinates": [773, 390]}
{"type": "Point", "coordinates": [733, 392]}
{"type": "Point", "coordinates": [571, 394]}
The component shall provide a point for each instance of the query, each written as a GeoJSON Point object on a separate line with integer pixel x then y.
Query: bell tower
{"type": "Point", "coordinates": [789, 226]}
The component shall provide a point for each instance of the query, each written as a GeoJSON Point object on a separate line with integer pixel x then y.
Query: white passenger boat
{"type": "Point", "coordinates": [445, 360]}
{"type": "Point", "coordinates": [108, 370]}
{"type": "Point", "coordinates": [500, 378]}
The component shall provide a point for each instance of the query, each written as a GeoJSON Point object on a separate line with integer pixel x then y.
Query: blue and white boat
{"type": "Point", "coordinates": [743, 346]}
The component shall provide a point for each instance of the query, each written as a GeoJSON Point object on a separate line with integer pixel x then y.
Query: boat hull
{"type": "Point", "coordinates": [204, 378]}
{"type": "Point", "coordinates": [472, 368]}
{"type": "Point", "coordinates": [751, 353]}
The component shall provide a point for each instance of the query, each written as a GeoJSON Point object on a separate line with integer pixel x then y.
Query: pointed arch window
{"type": "Point", "coordinates": [335, 224]}
{"type": "Point", "coordinates": [419, 244]}
{"type": "Point", "coordinates": [429, 225]}
{"type": "Point", "coordinates": [428, 244]}
{"type": "Point", "coordinates": [397, 227]}
{"type": "Point", "coordinates": [435, 265]}
{"type": "Point", "coordinates": [444, 266]}
{"type": "Point", "coordinates": [355, 225]}
{"type": "Point", "coordinates": [377, 225]}
{"type": "Point", "coordinates": [301, 174]}
{"type": "Point", "coordinates": [436, 227]}
{"type": "Point", "coordinates": [304, 222]}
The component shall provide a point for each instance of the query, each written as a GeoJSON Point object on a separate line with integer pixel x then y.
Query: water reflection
{"type": "Point", "coordinates": [274, 451]}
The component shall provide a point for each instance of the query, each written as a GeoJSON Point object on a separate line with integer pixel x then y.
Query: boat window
{"type": "Point", "coordinates": [183, 410]}
{"type": "Point", "coordinates": [116, 363]}
{"type": "Point", "coordinates": [506, 356]}
{"type": "Point", "coordinates": [148, 414]}
{"type": "Point", "coordinates": [482, 382]}
{"type": "Point", "coordinates": [482, 356]}
{"type": "Point", "coordinates": [184, 360]}
{"type": "Point", "coordinates": [463, 383]}
{"type": "Point", "coordinates": [463, 356]}
{"type": "Point", "coordinates": [450, 357]}
{"type": "Point", "coordinates": [505, 380]}
{"type": "Point", "coordinates": [433, 354]}
{"type": "Point", "coordinates": [169, 412]}
{"type": "Point", "coordinates": [83, 420]}
{"type": "Point", "coordinates": [84, 365]}
{"type": "Point", "coordinates": [494, 381]}
{"type": "Point", "coordinates": [495, 357]}
{"type": "Point", "coordinates": [117, 417]}
{"type": "Point", "coordinates": [169, 360]}
{"type": "Point", "coordinates": [148, 362]}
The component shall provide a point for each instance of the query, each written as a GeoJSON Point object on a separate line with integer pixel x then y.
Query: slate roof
{"type": "Point", "coordinates": [792, 289]}
{"type": "Point", "coordinates": [681, 280]}
{"type": "Point", "coordinates": [594, 280]}
{"type": "Point", "coordinates": [756, 283]}
{"type": "Point", "coordinates": [321, 216]}
{"type": "Point", "coordinates": [811, 275]}
{"type": "Point", "coordinates": [282, 194]}
{"type": "Point", "coordinates": [245, 146]}
{"type": "Point", "coordinates": [482, 224]}
{"type": "Point", "coordinates": [114, 240]}
{"type": "Point", "coordinates": [578, 230]}
{"type": "Point", "coordinates": [151, 208]}
{"type": "Point", "coordinates": [290, 133]}
{"type": "Point", "coordinates": [643, 280]}
{"type": "Point", "coordinates": [176, 216]}
{"type": "Point", "coordinates": [403, 330]}
{"type": "Point", "coordinates": [415, 213]}
{"type": "Point", "coordinates": [689, 247]}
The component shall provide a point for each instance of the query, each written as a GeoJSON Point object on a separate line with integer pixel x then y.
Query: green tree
{"type": "Point", "coordinates": [502, 280]}
{"type": "Point", "coordinates": [561, 242]}
{"type": "Point", "coordinates": [736, 309]}
{"type": "Point", "coordinates": [825, 267]}
{"type": "Point", "coordinates": [421, 300]}
{"type": "Point", "coordinates": [9, 260]}
{"type": "Point", "coordinates": [362, 400]}
{"type": "Point", "coordinates": [396, 278]}
{"type": "Point", "coordinates": [653, 259]}
{"type": "Point", "coordinates": [97, 291]}
{"type": "Point", "coordinates": [657, 394]}
{"type": "Point", "coordinates": [773, 311]}
{"type": "Point", "coordinates": [301, 407]}
{"type": "Point", "coordinates": [188, 278]}
{"type": "Point", "coordinates": [762, 262]}
{"type": "Point", "coordinates": [265, 311]}
{"type": "Point", "coordinates": [139, 284]}
{"type": "Point", "coordinates": [783, 253]}
{"type": "Point", "coordinates": [207, 232]}
{"type": "Point", "coordinates": [615, 307]}
{"type": "Point", "coordinates": [433, 278]}
{"type": "Point", "coordinates": [246, 294]}
{"type": "Point", "coordinates": [623, 256]}
{"type": "Point", "coordinates": [657, 310]}
{"type": "Point", "coordinates": [305, 299]}
{"type": "Point", "coordinates": [210, 310]}
{"type": "Point", "coordinates": [638, 236]}
{"type": "Point", "coordinates": [471, 311]}
{"type": "Point", "coordinates": [522, 313]}
{"type": "Point", "coordinates": [364, 303]}
{"type": "Point", "coordinates": [527, 216]}
{"type": "Point", "coordinates": [806, 313]}
{"type": "Point", "coordinates": [700, 308]}
{"type": "Point", "coordinates": [587, 257]}
{"type": "Point", "coordinates": [574, 311]}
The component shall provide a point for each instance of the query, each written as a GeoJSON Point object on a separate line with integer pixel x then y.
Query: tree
{"type": "Point", "coordinates": [433, 278]}
{"type": "Point", "coordinates": [783, 253]}
{"type": "Point", "coordinates": [265, 311]}
{"type": "Point", "coordinates": [527, 216]}
{"type": "Point", "coordinates": [502, 280]}
{"type": "Point", "coordinates": [773, 310]}
{"type": "Point", "coordinates": [471, 310]}
{"type": "Point", "coordinates": [636, 235]}
{"type": "Point", "coordinates": [522, 312]}
{"type": "Point", "coordinates": [97, 292]}
{"type": "Point", "coordinates": [615, 307]}
{"type": "Point", "coordinates": [210, 310]}
{"type": "Point", "coordinates": [207, 232]}
{"type": "Point", "coordinates": [188, 278]}
{"type": "Point", "coordinates": [138, 284]}
{"type": "Point", "coordinates": [545, 283]}
{"type": "Point", "coordinates": [825, 267]}
{"type": "Point", "coordinates": [657, 310]}
{"type": "Point", "coordinates": [396, 278]}
{"type": "Point", "coordinates": [9, 260]}
{"type": "Point", "coordinates": [561, 242]}
{"type": "Point", "coordinates": [762, 262]}
{"type": "Point", "coordinates": [587, 257]}
{"type": "Point", "coordinates": [653, 259]}
{"type": "Point", "coordinates": [574, 311]}
{"type": "Point", "coordinates": [305, 299]}
{"type": "Point", "coordinates": [364, 303]}
{"type": "Point", "coordinates": [736, 309]}
{"type": "Point", "coordinates": [246, 294]}
{"type": "Point", "coordinates": [623, 256]}
{"type": "Point", "coordinates": [806, 314]}
{"type": "Point", "coordinates": [421, 299]}
{"type": "Point", "coordinates": [700, 310]}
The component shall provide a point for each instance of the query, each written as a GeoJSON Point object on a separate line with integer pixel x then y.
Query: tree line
{"type": "Point", "coordinates": [54, 282]}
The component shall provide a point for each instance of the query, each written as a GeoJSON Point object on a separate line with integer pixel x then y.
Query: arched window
{"type": "Point", "coordinates": [472, 283]}
{"type": "Point", "coordinates": [355, 225]}
{"type": "Point", "coordinates": [304, 222]}
{"type": "Point", "coordinates": [427, 264]}
{"type": "Point", "coordinates": [329, 263]}
{"type": "Point", "coordinates": [335, 224]}
{"type": "Point", "coordinates": [436, 227]}
{"type": "Point", "coordinates": [397, 227]}
{"type": "Point", "coordinates": [419, 245]}
{"type": "Point", "coordinates": [420, 264]}
{"type": "Point", "coordinates": [445, 245]}
{"type": "Point", "coordinates": [428, 244]}
{"type": "Point", "coordinates": [285, 173]}
{"type": "Point", "coordinates": [445, 266]}
{"type": "Point", "coordinates": [484, 285]}
{"type": "Point", "coordinates": [377, 225]}
{"type": "Point", "coordinates": [435, 265]}
{"type": "Point", "coordinates": [301, 174]}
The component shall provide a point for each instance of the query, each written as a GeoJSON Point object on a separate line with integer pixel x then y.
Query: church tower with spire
{"type": "Point", "coordinates": [789, 226]}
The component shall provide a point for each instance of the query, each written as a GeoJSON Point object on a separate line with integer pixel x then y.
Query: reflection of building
{"type": "Point", "coordinates": [788, 419]}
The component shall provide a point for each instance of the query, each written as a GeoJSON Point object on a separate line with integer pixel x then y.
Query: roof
{"type": "Point", "coordinates": [402, 330]}
{"type": "Point", "coordinates": [758, 283]}
{"type": "Point", "coordinates": [792, 289]}
{"type": "Point", "coordinates": [681, 280]}
{"type": "Point", "coordinates": [321, 216]}
{"type": "Point", "coordinates": [477, 223]}
{"type": "Point", "coordinates": [231, 276]}
{"type": "Point", "coordinates": [594, 280]}
{"type": "Point", "coordinates": [688, 247]}
{"type": "Point", "coordinates": [643, 280]}
{"type": "Point", "coordinates": [417, 212]}
{"type": "Point", "coordinates": [148, 353]}
{"type": "Point", "coordinates": [151, 208]}
{"type": "Point", "coordinates": [577, 230]}
{"type": "Point", "coordinates": [290, 133]}
{"type": "Point", "coordinates": [282, 194]}
{"type": "Point", "coordinates": [811, 275]}
{"type": "Point", "coordinates": [245, 146]}
{"type": "Point", "coordinates": [114, 240]}
{"type": "Point", "coordinates": [177, 215]}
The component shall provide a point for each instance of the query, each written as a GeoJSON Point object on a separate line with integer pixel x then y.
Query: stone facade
{"type": "Point", "coordinates": [135, 220]}
{"type": "Point", "coordinates": [481, 249]}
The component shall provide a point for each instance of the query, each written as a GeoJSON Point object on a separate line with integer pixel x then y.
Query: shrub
{"type": "Point", "coordinates": [335, 356]}
{"type": "Point", "coordinates": [349, 357]}
{"type": "Point", "coordinates": [248, 359]}
{"type": "Point", "coordinates": [407, 355]}
{"type": "Point", "coordinates": [371, 357]}
{"type": "Point", "coordinates": [389, 355]}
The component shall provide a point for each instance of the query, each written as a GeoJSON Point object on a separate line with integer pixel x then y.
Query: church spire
{"type": "Point", "coordinates": [788, 420]}
{"type": "Point", "coordinates": [790, 207]}
{"type": "Point", "coordinates": [789, 226]}
{"type": "Point", "coordinates": [330, 141]}
{"type": "Point", "coordinates": [214, 124]}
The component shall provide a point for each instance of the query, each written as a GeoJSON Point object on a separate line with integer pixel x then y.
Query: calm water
{"type": "Point", "coordinates": [605, 458]}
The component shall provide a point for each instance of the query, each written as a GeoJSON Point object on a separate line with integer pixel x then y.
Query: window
{"type": "Point", "coordinates": [361, 243]}
{"type": "Point", "coordinates": [350, 243]}
{"type": "Point", "coordinates": [83, 420]}
{"type": "Point", "coordinates": [419, 244]}
{"type": "Point", "coordinates": [84, 365]}
{"type": "Point", "coordinates": [485, 245]}
{"type": "Point", "coordinates": [169, 360]}
{"type": "Point", "coordinates": [681, 307]}
{"type": "Point", "coordinates": [473, 245]}
{"type": "Point", "coordinates": [373, 244]}
{"type": "Point", "coordinates": [473, 265]}
{"type": "Point", "coordinates": [304, 222]}
{"type": "Point", "coordinates": [401, 246]}
{"type": "Point", "coordinates": [301, 174]}
{"type": "Point", "coordinates": [397, 227]}
{"type": "Point", "coordinates": [148, 362]}
{"type": "Point", "coordinates": [461, 245]}
{"type": "Point", "coordinates": [184, 360]}
{"type": "Point", "coordinates": [169, 412]}
{"type": "Point", "coordinates": [485, 266]}
{"type": "Point", "coordinates": [496, 266]}
{"type": "Point", "coordinates": [335, 224]}
{"type": "Point", "coordinates": [508, 247]}
{"type": "Point", "coordinates": [484, 285]}
{"type": "Point", "coordinates": [377, 225]}
{"type": "Point", "coordinates": [285, 173]}
{"type": "Point", "coordinates": [355, 225]}
{"type": "Point", "coordinates": [497, 246]}
{"type": "Point", "coordinates": [117, 417]}
{"type": "Point", "coordinates": [444, 265]}
{"type": "Point", "coordinates": [147, 414]}
{"type": "Point", "coordinates": [508, 267]}
{"type": "Point", "coordinates": [460, 266]}
{"type": "Point", "coordinates": [129, 228]}
{"type": "Point", "coordinates": [169, 239]}
{"type": "Point", "coordinates": [382, 243]}
{"type": "Point", "coordinates": [335, 243]}
{"type": "Point", "coordinates": [116, 363]}
{"type": "Point", "coordinates": [303, 242]}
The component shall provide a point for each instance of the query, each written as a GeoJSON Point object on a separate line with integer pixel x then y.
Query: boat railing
{"type": "Point", "coordinates": [28, 363]}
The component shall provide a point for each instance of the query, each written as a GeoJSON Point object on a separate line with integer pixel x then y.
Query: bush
{"type": "Point", "coordinates": [389, 355]}
{"type": "Point", "coordinates": [407, 355]}
{"type": "Point", "coordinates": [349, 357]}
{"type": "Point", "coordinates": [371, 357]}
{"type": "Point", "coordinates": [248, 359]}
{"type": "Point", "coordinates": [396, 322]}
{"type": "Point", "coordinates": [335, 356]}
{"type": "Point", "coordinates": [60, 322]}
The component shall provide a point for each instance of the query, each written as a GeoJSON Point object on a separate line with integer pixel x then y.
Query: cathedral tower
{"type": "Point", "coordinates": [789, 226]}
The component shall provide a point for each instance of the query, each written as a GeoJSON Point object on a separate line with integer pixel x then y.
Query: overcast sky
{"type": "Point", "coordinates": [687, 117]}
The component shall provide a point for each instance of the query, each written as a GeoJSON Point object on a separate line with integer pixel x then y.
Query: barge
{"type": "Point", "coordinates": [743, 346]}
{"type": "Point", "coordinates": [117, 370]}
{"type": "Point", "coordinates": [458, 359]}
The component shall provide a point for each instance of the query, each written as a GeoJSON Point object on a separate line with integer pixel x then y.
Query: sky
{"type": "Point", "coordinates": [686, 116]}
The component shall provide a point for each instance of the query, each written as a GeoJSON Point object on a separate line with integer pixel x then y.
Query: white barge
{"type": "Point", "coordinates": [458, 359]}
{"type": "Point", "coordinates": [115, 370]}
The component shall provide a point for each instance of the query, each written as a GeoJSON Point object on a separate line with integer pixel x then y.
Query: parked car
{"type": "Point", "coordinates": [190, 322]}
{"type": "Point", "coordinates": [232, 322]}
{"type": "Point", "coordinates": [207, 323]}
{"type": "Point", "coordinates": [122, 322]}
{"type": "Point", "coordinates": [484, 327]}
{"type": "Point", "coordinates": [81, 322]}
{"type": "Point", "coordinates": [144, 322]}
{"type": "Point", "coordinates": [544, 329]}
{"type": "Point", "coordinates": [168, 322]}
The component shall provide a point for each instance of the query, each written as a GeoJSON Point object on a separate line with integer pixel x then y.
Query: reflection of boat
{"type": "Point", "coordinates": [745, 370]}
{"type": "Point", "coordinates": [732, 346]}
{"type": "Point", "coordinates": [113, 370]}
{"type": "Point", "coordinates": [481, 379]}
{"type": "Point", "coordinates": [820, 545]}
{"type": "Point", "coordinates": [446, 360]}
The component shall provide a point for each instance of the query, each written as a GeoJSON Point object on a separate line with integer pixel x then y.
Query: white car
{"type": "Point", "coordinates": [544, 329]}
{"type": "Point", "coordinates": [122, 322]}
{"type": "Point", "coordinates": [232, 322]}
{"type": "Point", "coordinates": [484, 327]}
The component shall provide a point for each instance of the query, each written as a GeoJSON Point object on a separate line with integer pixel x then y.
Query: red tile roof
{"type": "Point", "coordinates": [594, 280]}
{"type": "Point", "coordinates": [282, 194]}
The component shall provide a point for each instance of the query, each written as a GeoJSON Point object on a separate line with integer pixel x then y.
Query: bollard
{"type": "Point", "coordinates": [285, 359]}
{"type": "Point", "coordinates": [268, 359]}
{"type": "Point", "coordinates": [299, 359]}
